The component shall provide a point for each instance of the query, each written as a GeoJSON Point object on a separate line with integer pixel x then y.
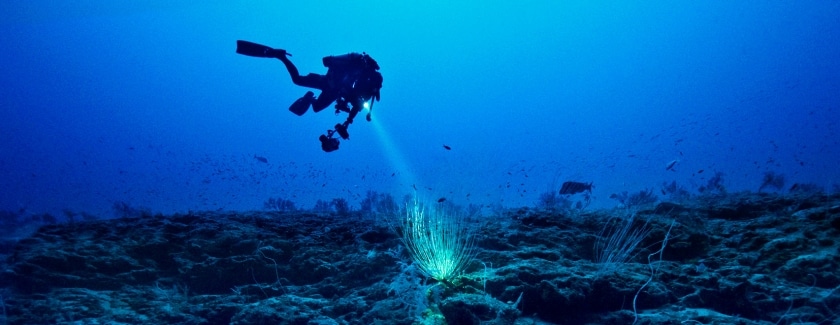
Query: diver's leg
{"type": "Point", "coordinates": [326, 98]}
{"type": "Point", "coordinates": [311, 80]}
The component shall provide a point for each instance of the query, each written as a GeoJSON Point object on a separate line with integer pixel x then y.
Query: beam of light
{"type": "Point", "coordinates": [395, 157]}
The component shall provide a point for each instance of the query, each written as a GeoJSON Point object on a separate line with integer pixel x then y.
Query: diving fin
{"type": "Point", "coordinates": [302, 104]}
{"type": "Point", "coordinates": [258, 50]}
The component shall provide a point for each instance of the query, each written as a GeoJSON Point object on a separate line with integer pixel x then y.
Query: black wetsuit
{"type": "Point", "coordinates": [348, 78]}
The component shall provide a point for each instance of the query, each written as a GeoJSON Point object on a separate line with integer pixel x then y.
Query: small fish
{"type": "Point", "coordinates": [575, 187]}
{"type": "Point", "coordinates": [447, 147]}
{"type": "Point", "coordinates": [700, 171]}
{"type": "Point", "coordinates": [440, 200]}
{"type": "Point", "coordinates": [670, 165]}
{"type": "Point", "coordinates": [261, 159]}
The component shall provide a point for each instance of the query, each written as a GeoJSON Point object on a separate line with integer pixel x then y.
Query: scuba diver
{"type": "Point", "coordinates": [352, 81]}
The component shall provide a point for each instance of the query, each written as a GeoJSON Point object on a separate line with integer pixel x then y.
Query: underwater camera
{"type": "Point", "coordinates": [328, 144]}
{"type": "Point", "coordinates": [341, 129]}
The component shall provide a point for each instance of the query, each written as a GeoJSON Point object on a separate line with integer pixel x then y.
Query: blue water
{"type": "Point", "coordinates": [149, 104]}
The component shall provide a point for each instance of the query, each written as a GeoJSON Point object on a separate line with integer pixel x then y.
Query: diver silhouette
{"type": "Point", "coordinates": [352, 81]}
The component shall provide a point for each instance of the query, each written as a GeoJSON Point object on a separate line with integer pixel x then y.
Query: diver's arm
{"type": "Point", "coordinates": [355, 109]}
